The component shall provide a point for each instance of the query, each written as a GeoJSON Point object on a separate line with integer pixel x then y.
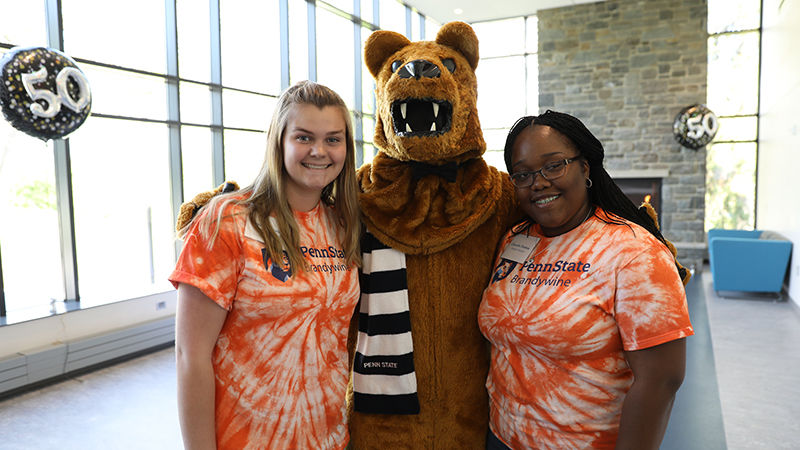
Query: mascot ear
{"type": "Point", "coordinates": [461, 37]}
{"type": "Point", "coordinates": [380, 46]}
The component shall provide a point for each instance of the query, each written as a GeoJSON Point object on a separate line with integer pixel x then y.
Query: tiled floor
{"type": "Point", "coordinates": [127, 406]}
{"type": "Point", "coordinates": [756, 357]}
{"type": "Point", "coordinates": [757, 354]}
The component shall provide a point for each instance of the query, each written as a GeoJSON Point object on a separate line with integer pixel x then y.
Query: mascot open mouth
{"type": "Point", "coordinates": [421, 117]}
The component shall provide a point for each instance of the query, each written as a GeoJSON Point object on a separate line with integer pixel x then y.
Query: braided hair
{"type": "Point", "coordinates": [603, 192]}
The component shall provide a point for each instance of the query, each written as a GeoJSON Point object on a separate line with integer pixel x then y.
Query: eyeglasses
{"type": "Point", "coordinates": [550, 172]}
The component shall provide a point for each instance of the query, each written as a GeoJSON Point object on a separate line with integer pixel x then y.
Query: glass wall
{"type": "Point", "coordinates": [176, 110]}
{"type": "Point", "coordinates": [30, 262]}
{"type": "Point", "coordinates": [733, 92]}
{"type": "Point", "coordinates": [508, 80]}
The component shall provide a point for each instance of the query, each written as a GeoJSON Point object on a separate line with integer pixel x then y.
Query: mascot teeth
{"type": "Point", "coordinates": [421, 117]}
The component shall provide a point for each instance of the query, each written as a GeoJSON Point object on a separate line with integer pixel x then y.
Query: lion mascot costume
{"type": "Point", "coordinates": [434, 212]}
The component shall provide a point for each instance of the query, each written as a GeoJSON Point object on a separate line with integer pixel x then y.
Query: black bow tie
{"type": "Point", "coordinates": [448, 171]}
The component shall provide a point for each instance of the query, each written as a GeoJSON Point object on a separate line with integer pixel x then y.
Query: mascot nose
{"type": "Point", "coordinates": [419, 68]}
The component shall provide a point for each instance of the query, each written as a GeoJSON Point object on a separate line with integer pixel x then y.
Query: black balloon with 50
{"type": "Point", "coordinates": [695, 126]}
{"type": "Point", "coordinates": [43, 92]}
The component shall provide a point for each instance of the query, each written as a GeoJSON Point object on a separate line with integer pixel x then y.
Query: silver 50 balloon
{"type": "Point", "coordinates": [43, 92]}
{"type": "Point", "coordinates": [61, 97]}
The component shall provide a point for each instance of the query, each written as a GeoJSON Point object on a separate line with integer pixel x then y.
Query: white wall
{"type": "Point", "coordinates": [87, 322]}
{"type": "Point", "coordinates": [779, 143]}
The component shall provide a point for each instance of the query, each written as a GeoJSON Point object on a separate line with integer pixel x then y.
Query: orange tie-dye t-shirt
{"type": "Point", "coordinates": [280, 361]}
{"type": "Point", "coordinates": [559, 323]}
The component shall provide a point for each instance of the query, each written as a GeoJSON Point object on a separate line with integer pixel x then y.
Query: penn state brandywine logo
{"type": "Point", "coordinates": [503, 270]}
{"type": "Point", "coordinates": [281, 272]}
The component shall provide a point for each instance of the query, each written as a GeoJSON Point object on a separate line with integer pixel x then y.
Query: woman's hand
{"type": "Point", "coordinates": [658, 373]}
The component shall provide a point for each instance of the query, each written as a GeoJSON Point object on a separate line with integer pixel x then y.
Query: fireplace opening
{"type": "Point", "coordinates": [641, 190]}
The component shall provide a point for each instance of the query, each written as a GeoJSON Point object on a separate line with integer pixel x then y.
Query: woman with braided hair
{"type": "Point", "coordinates": [588, 326]}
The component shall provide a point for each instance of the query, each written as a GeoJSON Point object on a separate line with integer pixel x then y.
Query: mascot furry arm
{"type": "Point", "coordinates": [429, 196]}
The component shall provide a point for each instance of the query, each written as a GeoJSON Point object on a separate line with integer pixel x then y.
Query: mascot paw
{"type": "Point", "coordinates": [189, 209]}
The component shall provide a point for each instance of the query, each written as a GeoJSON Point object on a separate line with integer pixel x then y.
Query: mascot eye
{"type": "Point", "coordinates": [449, 64]}
{"type": "Point", "coordinates": [396, 65]}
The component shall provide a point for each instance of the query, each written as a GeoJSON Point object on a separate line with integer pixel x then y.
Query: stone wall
{"type": "Point", "coordinates": [626, 68]}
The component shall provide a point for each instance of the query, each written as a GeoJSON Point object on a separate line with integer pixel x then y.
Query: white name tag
{"type": "Point", "coordinates": [520, 248]}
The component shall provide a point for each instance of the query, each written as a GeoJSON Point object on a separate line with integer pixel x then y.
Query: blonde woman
{"type": "Point", "coordinates": [267, 283]}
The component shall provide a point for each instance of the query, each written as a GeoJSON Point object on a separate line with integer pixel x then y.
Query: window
{"type": "Point", "coordinates": [124, 93]}
{"type": "Point", "coordinates": [367, 10]}
{"type": "Point", "coordinates": [181, 101]}
{"type": "Point", "coordinates": [195, 105]}
{"type": "Point", "coordinates": [733, 78]}
{"type": "Point", "coordinates": [431, 28]}
{"type": "Point", "coordinates": [244, 155]}
{"type": "Point", "coordinates": [123, 220]}
{"type": "Point", "coordinates": [24, 26]}
{"type": "Point", "coordinates": [251, 52]}
{"type": "Point", "coordinates": [730, 185]}
{"type": "Point", "coordinates": [196, 160]}
{"type": "Point", "coordinates": [500, 82]}
{"type": "Point", "coordinates": [367, 86]}
{"type": "Point", "coordinates": [86, 20]}
{"type": "Point", "coordinates": [29, 233]}
{"type": "Point", "coordinates": [194, 39]}
{"type": "Point", "coordinates": [393, 16]}
{"type": "Point", "coordinates": [246, 110]}
{"type": "Point", "coordinates": [501, 37]}
{"type": "Point", "coordinates": [343, 5]}
{"type": "Point", "coordinates": [508, 85]}
{"type": "Point", "coordinates": [298, 41]}
{"type": "Point", "coordinates": [415, 29]}
{"type": "Point", "coordinates": [335, 63]}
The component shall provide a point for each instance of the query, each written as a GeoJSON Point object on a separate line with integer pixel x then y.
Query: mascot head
{"type": "Point", "coordinates": [426, 95]}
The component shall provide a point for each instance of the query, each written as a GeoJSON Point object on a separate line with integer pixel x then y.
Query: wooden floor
{"type": "Point", "coordinates": [742, 389]}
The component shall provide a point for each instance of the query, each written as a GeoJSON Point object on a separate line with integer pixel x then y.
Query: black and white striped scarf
{"type": "Point", "coordinates": [384, 381]}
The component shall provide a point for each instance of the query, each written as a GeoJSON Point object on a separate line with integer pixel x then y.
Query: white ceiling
{"type": "Point", "coordinates": [479, 10]}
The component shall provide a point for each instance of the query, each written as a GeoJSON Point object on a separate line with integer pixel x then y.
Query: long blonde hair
{"type": "Point", "coordinates": [266, 196]}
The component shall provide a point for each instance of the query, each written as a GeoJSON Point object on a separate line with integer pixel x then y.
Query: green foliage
{"type": "Point", "coordinates": [39, 194]}
{"type": "Point", "coordinates": [726, 208]}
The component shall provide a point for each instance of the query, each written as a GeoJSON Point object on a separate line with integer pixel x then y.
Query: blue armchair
{"type": "Point", "coordinates": [748, 261]}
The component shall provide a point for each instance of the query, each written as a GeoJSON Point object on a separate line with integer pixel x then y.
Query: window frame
{"type": "Point", "coordinates": [217, 125]}
{"type": "Point", "coordinates": [756, 114]}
